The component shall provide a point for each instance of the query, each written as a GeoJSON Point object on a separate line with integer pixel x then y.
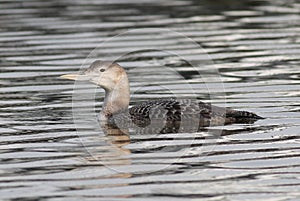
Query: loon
{"type": "Point", "coordinates": [113, 79]}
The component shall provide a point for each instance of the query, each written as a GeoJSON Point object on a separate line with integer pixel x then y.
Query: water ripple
{"type": "Point", "coordinates": [255, 50]}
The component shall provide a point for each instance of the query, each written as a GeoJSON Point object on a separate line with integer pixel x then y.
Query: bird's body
{"type": "Point", "coordinates": [178, 115]}
{"type": "Point", "coordinates": [163, 112]}
{"type": "Point", "coordinates": [176, 110]}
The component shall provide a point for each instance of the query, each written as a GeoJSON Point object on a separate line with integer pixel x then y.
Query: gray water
{"type": "Point", "coordinates": [249, 61]}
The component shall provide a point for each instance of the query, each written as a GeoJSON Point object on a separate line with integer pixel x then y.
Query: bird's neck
{"type": "Point", "coordinates": [117, 99]}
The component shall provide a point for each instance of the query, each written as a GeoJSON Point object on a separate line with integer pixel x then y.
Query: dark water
{"type": "Point", "coordinates": [252, 63]}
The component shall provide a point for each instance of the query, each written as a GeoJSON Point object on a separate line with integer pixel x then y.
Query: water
{"type": "Point", "coordinates": [254, 46]}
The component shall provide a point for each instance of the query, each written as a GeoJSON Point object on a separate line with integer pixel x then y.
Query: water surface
{"type": "Point", "coordinates": [254, 51]}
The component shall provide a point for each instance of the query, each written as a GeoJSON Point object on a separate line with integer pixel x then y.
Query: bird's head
{"type": "Point", "coordinates": [102, 73]}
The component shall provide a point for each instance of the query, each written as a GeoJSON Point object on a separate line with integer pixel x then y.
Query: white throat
{"type": "Point", "coordinates": [116, 99]}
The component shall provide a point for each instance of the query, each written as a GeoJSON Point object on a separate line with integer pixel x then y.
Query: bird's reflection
{"type": "Point", "coordinates": [112, 148]}
{"type": "Point", "coordinates": [117, 136]}
{"type": "Point", "coordinates": [114, 138]}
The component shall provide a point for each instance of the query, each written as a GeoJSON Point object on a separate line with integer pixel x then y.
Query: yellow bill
{"type": "Point", "coordinates": [75, 77]}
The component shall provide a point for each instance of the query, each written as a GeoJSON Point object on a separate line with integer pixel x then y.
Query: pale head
{"type": "Point", "coordinates": [105, 74]}
{"type": "Point", "coordinates": [113, 79]}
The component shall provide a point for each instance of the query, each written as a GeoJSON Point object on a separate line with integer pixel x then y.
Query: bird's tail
{"type": "Point", "coordinates": [242, 116]}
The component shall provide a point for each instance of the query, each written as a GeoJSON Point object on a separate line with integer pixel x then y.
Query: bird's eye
{"type": "Point", "coordinates": [102, 70]}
